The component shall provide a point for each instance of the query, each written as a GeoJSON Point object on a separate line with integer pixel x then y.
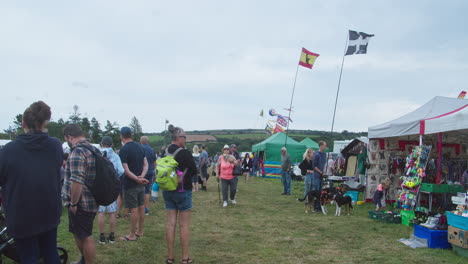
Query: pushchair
{"type": "Point", "coordinates": [8, 249]}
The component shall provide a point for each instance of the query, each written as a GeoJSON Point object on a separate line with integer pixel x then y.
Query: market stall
{"type": "Point", "coordinates": [442, 124]}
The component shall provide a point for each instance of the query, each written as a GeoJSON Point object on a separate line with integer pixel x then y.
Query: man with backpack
{"type": "Point", "coordinates": [79, 174]}
{"type": "Point", "coordinates": [135, 165]}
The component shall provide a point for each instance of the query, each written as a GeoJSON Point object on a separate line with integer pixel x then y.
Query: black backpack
{"type": "Point", "coordinates": [106, 187]}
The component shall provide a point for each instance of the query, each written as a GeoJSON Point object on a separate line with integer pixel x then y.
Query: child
{"type": "Point", "coordinates": [379, 197]}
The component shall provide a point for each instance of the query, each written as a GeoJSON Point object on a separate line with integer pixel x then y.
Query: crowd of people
{"type": "Point", "coordinates": [59, 179]}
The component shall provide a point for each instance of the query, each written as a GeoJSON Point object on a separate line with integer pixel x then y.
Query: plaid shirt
{"type": "Point", "coordinates": [81, 169]}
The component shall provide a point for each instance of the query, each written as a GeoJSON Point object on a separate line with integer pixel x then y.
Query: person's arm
{"type": "Point", "coordinates": [203, 160]}
{"type": "Point", "coordinates": [78, 164]}
{"type": "Point", "coordinates": [316, 163]}
{"type": "Point", "coordinates": [130, 174]}
{"type": "Point", "coordinates": [145, 168]}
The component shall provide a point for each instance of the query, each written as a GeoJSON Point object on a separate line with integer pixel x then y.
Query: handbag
{"type": "Point", "coordinates": [237, 171]}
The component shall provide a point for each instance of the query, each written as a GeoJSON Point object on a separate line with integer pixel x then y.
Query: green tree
{"type": "Point", "coordinates": [86, 127]}
{"type": "Point", "coordinates": [96, 132]}
{"type": "Point", "coordinates": [75, 117]}
{"type": "Point", "coordinates": [136, 128]}
{"type": "Point", "coordinates": [112, 130]}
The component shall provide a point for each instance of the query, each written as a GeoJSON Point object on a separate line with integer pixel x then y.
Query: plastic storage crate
{"type": "Point", "coordinates": [390, 219]}
{"type": "Point", "coordinates": [457, 221]}
{"type": "Point", "coordinates": [460, 251]}
{"type": "Point", "coordinates": [435, 238]}
{"type": "Point", "coordinates": [434, 188]}
{"type": "Point", "coordinates": [406, 217]}
{"type": "Point", "coordinates": [376, 215]}
{"type": "Point", "coordinates": [353, 194]}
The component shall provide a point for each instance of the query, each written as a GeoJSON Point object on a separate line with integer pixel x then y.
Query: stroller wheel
{"type": "Point", "coordinates": [63, 254]}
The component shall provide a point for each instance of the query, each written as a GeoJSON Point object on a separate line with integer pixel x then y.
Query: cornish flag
{"type": "Point", "coordinates": [358, 42]}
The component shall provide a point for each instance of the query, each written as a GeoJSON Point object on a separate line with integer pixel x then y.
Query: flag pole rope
{"type": "Point", "coordinates": [336, 102]}
{"type": "Point", "coordinates": [290, 105]}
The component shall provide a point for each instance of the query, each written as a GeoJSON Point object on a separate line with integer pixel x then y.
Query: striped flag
{"type": "Point", "coordinates": [307, 58]}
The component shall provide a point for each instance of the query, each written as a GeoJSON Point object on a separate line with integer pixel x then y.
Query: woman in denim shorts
{"type": "Point", "coordinates": [179, 202]}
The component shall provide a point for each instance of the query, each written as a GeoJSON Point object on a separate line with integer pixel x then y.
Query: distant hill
{"type": "Point", "coordinates": [245, 138]}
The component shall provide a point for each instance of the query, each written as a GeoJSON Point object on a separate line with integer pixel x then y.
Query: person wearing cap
{"type": "Point", "coordinates": [107, 151]}
{"type": "Point", "coordinates": [226, 163]}
{"type": "Point", "coordinates": [233, 150]}
{"type": "Point", "coordinates": [135, 166]}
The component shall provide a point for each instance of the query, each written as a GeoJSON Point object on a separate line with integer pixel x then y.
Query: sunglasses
{"type": "Point", "coordinates": [183, 137]}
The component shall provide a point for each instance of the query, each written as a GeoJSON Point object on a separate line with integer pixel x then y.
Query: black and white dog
{"type": "Point", "coordinates": [310, 198]}
{"type": "Point", "coordinates": [341, 200]}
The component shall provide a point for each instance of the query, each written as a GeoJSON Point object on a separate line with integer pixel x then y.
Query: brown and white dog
{"type": "Point", "coordinates": [310, 198]}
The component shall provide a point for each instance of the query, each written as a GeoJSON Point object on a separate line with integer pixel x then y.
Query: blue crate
{"type": "Point", "coordinates": [353, 194]}
{"type": "Point", "coordinates": [457, 221]}
{"type": "Point", "coordinates": [435, 238]}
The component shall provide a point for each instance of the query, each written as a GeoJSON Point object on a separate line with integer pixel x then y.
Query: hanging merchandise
{"type": "Point", "coordinates": [415, 171]}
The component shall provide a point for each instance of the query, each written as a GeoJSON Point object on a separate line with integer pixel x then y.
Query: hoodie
{"type": "Point", "coordinates": [115, 159]}
{"type": "Point", "coordinates": [30, 181]}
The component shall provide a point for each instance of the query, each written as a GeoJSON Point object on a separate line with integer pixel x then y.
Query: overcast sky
{"type": "Point", "coordinates": [217, 64]}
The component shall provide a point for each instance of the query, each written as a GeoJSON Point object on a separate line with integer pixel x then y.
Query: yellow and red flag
{"type": "Point", "coordinates": [462, 95]}
{"type": "Point", "coordinates": [307, 58]}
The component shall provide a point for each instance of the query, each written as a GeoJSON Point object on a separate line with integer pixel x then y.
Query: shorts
{"type": "Point", "coordinates": [204, 173]}
{"type": "Point", "coordinates": [111, 208]}
{"type": "Point", "coordinates": [81, 223]}
{"type": "Point", "coordinates": [150, 178]}
{"type": "Point", "coordinates": [175, 200]}
{"type": "Point", "coordinates": [134, 197]}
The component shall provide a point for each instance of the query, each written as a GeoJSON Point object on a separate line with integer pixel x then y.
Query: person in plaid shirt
{"type": "Point", "coordinates": [79, 173]}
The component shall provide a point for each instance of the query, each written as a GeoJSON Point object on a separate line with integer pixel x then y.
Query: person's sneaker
{"type": "Point", "coordinates": [102, 239]}
{"type": "Point", "coordinates": [225, 204]}
{"type": "Point", "coordinates": [111, 238]}
{"type": "Point", "coordinates": [233, 201]}
{"type": "Point", "coordinates": [146, 211]}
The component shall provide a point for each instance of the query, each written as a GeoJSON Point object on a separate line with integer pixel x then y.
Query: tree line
{"type": "Point", "coordinates": [91, 128]}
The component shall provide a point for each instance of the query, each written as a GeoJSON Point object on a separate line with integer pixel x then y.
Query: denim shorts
{"type": "Point", "coordinates": [175, 200]}
{"type": "Point", "coordinates": [111, 208]}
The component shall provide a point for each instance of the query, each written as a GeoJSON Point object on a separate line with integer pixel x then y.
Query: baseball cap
{"type": "Point", "coordinates": [106, 141]}
{"type": "Point", "coordinates": [226, 147]}
{"type": "Point", "coordinates": [126, 131]}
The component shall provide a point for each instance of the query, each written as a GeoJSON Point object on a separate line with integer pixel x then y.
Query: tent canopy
{"type": "Point", "coordinates": [441, 114]}
{"type": "Point", "coordinates": [272, 147]}
{"type": "Point", "coordinates": [310, 143]}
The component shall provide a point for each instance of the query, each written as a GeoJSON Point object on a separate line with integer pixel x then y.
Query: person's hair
{"type": "Point", "coordinates": [283, 148]}
{"type": "Point", "coordinates": [247, 155]}
{"type": "Point", "coordinates": [144, 140]}
{"type": "Point", "coordinates": [203, 146]}
{"type": "Point", "coordinates": [305, 156]}
{"type": "Point", "coordinates": [73, 130]}
{"type": "Point", "coordinates": [321, 143]}
{"type": "Point", "coordinates": [386, 181]}
{"type": "Point", "coordinates": [195, 149]}
{"type": "Point", "coordinates": [36, 115]}
{"type": "Point", "coordinates": [174, 132]}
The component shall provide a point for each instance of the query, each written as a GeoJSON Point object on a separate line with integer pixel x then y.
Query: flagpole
{"type": "Point", "coordinates": [336, 100]}
{"type": "Point", "coordinates": [290, 105]}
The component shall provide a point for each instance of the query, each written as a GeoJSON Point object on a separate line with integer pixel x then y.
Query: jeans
{"type": "Point", "coordinates": [307, 183]}
{"type": "Point", "coordinates": [229, 184]}
{"type": "Point", "coordinates": [286, 181]}
{"type": "Point", "coordinates": [255, 170]}
{"type": "Point", "coordinates": [317, 186]}
{"type": "Point", "coordinates": [44, 244]}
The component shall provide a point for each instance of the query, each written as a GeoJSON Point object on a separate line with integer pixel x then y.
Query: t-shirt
{"type": "Point", "coordinates": [150, 157]}
{"type": "Point", "coordinates": [185, 160]}
{"type": "Point", "coordinates": [330, 167]}
{"type": "Point", "coordinates": [204, 155]}
{"type": "Point", "coordinates": [133, 154]}
{"type": "Point", "coordinates": [319, 160]}
{"type": "Point", "coordinates": [285, 162]}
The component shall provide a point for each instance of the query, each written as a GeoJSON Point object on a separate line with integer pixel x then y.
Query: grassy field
{"type": "Point", "coordinates": [265, 227]}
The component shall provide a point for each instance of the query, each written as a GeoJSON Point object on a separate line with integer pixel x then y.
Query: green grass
{"type": "Point", "coordinates": [153, 138]}
{"type": "Point", "coordinates": [266, 227]}
{"type": "Point", "coordinates": [244, 136]}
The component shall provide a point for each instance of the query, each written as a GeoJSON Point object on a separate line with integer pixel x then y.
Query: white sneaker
{"type": "Point", "coordinates": [225, 204]}
{"type": "Point", "coordinates": [233, 201]}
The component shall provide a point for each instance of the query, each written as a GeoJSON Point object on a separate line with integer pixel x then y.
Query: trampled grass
{"type": "Point", "coordinates": [266, 227]}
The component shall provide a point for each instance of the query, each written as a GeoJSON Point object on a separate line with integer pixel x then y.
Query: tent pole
{"type": "Point", "coordinates": [336, 101]}
{"type": "Point", "coordinates": [420, 140]}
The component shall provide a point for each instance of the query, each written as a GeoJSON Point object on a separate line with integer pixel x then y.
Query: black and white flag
{"type": "Point", "coordinates": [358, 42]}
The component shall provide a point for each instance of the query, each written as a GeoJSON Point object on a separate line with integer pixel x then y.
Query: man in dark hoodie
{"type": "Point", "coordinates": [30, 181]}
